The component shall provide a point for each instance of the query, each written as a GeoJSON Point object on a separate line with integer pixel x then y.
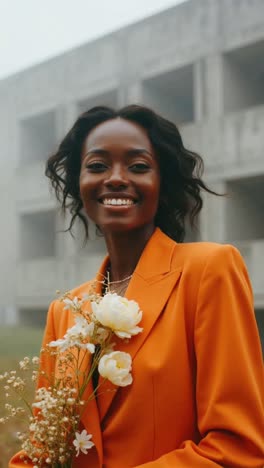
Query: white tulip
{"type": "Point", "coordinates": [119, 314]}
{"type": "Point", "coordinates": [116, 367]}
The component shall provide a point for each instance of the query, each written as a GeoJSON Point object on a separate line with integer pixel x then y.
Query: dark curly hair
{"type": "Point", "coordinates": [181, 169]}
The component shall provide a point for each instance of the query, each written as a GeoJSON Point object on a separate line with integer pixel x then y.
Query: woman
{"type": "Point", "coordinates": [197, 393]}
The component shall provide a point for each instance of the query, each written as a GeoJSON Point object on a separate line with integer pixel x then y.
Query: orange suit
{"type": "Point", "coordinates": [196, 400]}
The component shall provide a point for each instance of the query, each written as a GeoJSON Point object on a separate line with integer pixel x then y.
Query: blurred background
{"type": "Point", "coordinates": [198, 62]}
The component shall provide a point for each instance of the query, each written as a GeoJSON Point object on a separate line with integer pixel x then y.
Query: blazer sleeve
{"type": "Point", "coordinates": [46, 365]}
{"type": "Point", "coordinates": [229, 376]}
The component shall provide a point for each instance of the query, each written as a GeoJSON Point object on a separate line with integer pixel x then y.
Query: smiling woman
{"type": "Point", "coordinates": [179, 169]}
{"type": "Point", "coordinates": [120, 178]}
{"type": "Point", "coordinates": [193, 402]}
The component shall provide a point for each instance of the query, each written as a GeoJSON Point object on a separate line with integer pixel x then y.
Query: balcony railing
{"type": "Point", "coordinates": [37, 280]}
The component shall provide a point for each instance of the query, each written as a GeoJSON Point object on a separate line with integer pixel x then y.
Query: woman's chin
{"type": "Point", "coordinates": [126, 228]}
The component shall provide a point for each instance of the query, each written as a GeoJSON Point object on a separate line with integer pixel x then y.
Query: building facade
{"type": "Point", "coordinates": [201, 64]}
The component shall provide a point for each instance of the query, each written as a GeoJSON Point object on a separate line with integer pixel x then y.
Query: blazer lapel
{"type": "Point", "coordinates": [150, 286]}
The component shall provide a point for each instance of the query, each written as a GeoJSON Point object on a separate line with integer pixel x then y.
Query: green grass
{"type": "Point", "coordinates": [15, 343]}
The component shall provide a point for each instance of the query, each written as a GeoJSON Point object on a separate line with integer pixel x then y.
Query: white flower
{"type": "Point", "coordinates": [102, 334]}
{"type": "Point", "coordinates": [63, 344]}
{"type": "Point", "coordinates": [24, 364]}
{"type": "Point", "coordinates": [66, 343]}
{"type": "Point", "coordinates": [35, 360]}
{"type": "Point", "coordinates": [90, 347]}
{"type": "Point", "coordinates": [74, 303]}
{"type": "Point", "coordinates": [86, 297]}
{"type": "Point", "coordinates": [82, 442]}
{"type": "Point", "coordinates": [119, 314]}
{"type": "Point", "coordinates": [116, 367]}
{"type": "Point", "coordinates": [81, 327]}
{"type": "Point", "coordinates": [75, 336]}
{"type": "Point", "coordinates": [71, 401]}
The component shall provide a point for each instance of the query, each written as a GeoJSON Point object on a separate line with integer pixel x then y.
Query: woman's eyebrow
{"type": "Point", "coordinates": [135, 151]}
{"type": "Point", "coordinates": [130, 151]}
{"type": "Point", "coordinates": [96, 151]}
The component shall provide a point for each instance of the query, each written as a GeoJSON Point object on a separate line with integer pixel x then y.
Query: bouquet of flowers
{"type": "Point", "coordinates": [53, 438]}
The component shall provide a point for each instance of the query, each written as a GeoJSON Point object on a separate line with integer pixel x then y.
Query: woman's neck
{"type": "Point", "coordinates": [125, 249]}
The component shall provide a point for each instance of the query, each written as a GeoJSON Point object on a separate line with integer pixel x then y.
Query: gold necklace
{"type": "Point", "coordinates": [119, 281]}
{"type": "Point", "coordinates": [119, 290]}
{"type": "Point", "coordinates": [121, 284]}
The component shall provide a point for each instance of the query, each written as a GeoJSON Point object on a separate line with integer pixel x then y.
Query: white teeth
{"type": "Point", "coordinates": [117, 201]}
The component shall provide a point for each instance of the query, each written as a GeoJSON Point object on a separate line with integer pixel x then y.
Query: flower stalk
{"type": "Point", "coordinates": [54, 437]}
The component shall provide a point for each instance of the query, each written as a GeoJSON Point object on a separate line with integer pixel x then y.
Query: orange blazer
{"type": "Point", "coordinates": [196, 400]}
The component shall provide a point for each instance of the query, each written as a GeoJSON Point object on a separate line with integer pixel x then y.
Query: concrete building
{"type": "Point", "coordinates": [201, 64]}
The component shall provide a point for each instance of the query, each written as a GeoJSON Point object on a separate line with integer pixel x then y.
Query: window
{"type": "Point", "coordinates": [37, 137]}
{"type": "Point", "coordinates": [172, 94]}
{"type": "Point", "coordinates": [37, 235]}
{"type": "Point", "coordinates": [243, 70]}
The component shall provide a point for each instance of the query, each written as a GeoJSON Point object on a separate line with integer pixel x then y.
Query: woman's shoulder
{"type": "Point", "coordinates": [195, 256]}
{"type": "Point", "coordinates": [198, 255]}
{"type": "Point", "coordinates": [206, 248]}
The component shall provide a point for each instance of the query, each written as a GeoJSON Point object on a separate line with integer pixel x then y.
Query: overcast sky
{"type": "Point", "coordinates": [32, 31]}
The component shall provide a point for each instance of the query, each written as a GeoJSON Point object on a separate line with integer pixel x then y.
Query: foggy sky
{"type": "Point", "coordinates": [32, 31]}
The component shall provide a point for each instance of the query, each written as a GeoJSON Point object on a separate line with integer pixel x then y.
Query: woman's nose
{"type": "Point", "coordinates": [116, 177]}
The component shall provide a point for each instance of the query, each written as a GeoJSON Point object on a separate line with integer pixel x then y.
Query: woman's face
{"type": "Point", "coordinates": [119, 177]}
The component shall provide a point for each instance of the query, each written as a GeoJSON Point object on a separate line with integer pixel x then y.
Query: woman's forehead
{"type": "Point", "coordinates": [118, 131]}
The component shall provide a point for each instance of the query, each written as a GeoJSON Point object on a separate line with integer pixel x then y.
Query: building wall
{"type": "Point", "coordinates": [198, 63]}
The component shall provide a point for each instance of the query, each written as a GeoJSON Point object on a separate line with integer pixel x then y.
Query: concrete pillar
{"type": "Point", "coordinates": [9, 315]}
{"type": "Point", "coordinates": [199, 90]}
{"type": "Point", "coordinates": [121, 96]}
{"type": "Point", "coordinates": [59, 121]}
{"type": "Point", "coordinates": [213, 214]}
{"type": "Point", "coordinates": [65, 244]}
{"type": "Point", "coordinates": [134, 93]}
{"type": "Point", "coordinates": [214, 86]}
{"type": "Point", "coordinates": [71, 113]}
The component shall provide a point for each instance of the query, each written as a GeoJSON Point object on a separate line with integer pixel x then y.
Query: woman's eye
{"type": "Point", "coordinates": [96, 167]}
{"type": "Point", "coordinates": [139, 167]}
